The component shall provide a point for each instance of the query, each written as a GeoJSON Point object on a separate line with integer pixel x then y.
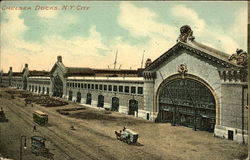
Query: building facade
{"type": "Point", "coordinates": [191, 85]}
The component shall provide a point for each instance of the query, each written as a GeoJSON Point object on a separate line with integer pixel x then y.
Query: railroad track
{"type": "Point", "coordinates": [53, 137]}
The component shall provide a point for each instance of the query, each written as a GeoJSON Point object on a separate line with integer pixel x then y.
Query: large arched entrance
{"type": "Point", "coordinates": [78, 97]}
{"type": "Point", "coordinates": [133, 107]}
{"type": "Point", "coordinates": [70, 96]}
{"type": "Point", "coordinates": [100, 101]}
{"type": "Point", "coordinates": [187, 102]}
{"type": "Point", "coordinates": [115, 104]}
{"type": "Point", "coordinates": [25, 83]}
{"type": "Point", "coordinates": [57, 87]}
{"type": "Point", "coordinates": [89, 98]}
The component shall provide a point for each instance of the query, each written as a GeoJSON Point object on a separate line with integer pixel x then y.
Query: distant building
{"type": "Point", "coordinates": [190, 84]}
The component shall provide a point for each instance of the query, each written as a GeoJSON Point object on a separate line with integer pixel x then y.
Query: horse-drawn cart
{"type": "Point", "coordinates": [127, 136]}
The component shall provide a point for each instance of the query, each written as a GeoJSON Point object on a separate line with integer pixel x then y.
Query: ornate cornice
{"type": "Point", "coordinates": [233, 75]}
{"type": "Point", "coordinates": [149, 74]}
{"type": "Point", "coordinates": [180, 45]}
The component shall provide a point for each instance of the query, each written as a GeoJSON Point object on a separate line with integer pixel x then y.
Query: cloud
{"type": "Point", "coordinates": [224, 40]}
{"type": "Point", "coordinates": [188, 16]}
{"type": "Point", "coordinates": [142, 22]}
{"type": "Point", "coordinates": [13, 28]}
{"type": "Point", "coordinates": [48, 14]}
{"type": "Point", "coordinates": [91, 51]}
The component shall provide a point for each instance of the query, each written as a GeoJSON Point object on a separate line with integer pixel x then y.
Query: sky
{"type": "Point", "coordinates": [89, 34]}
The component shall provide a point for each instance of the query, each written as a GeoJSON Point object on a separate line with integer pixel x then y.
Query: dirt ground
{"type": "Point", "coordinates": [93, 135]}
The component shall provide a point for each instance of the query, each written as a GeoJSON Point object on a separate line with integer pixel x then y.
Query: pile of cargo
{"type": "Point", "coordinates": [21, 94]}
{"type": "Point", "coordinates": [45, 100]}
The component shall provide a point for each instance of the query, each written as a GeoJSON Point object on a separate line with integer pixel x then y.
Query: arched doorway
{"type": "Point", "coordinates": [115, 104]}
{"type": "Point", "coordinates": [47, 91]}
{"type": "Point", "coordinates": [89, 98]}
{"type": "Point", "coordinates": [25, 84]}
{"type": "Point", "coordinates": [133, 107]}
{"type": "Point", "coordinates": [43, 91]}
{"type": "Point", "coordinates": [32, 88]}
{"type": "Point", "coordinates": [100, 101]}
{"type": "Point", "coordinates": [78, 97]}
{"type": "Point", "coordinates": [187, 102]}
{"type": "Point", "coordinates": [70, 96]}
{"type": "Point", "coordinates": [57, 86]}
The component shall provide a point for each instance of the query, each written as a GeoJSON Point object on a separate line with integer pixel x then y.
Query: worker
{"type": "Point", "coordinates": [34, 128]}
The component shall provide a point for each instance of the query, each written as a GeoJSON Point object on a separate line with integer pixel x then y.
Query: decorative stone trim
{"type": "Point", "coordinates": [233, 75]}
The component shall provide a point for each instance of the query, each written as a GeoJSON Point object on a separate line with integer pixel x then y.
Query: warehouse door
{"type": "Point", "coordinates": [100, 101]}
{"type": "Point", "coordinates": [78, 99]}
{"type": "Point", "coordinates": [70, 96]}
{"type": "Point", "coordinates": [25, 84]}
{"type": "Point", "coordinates": [57, 87]}
{"type": "Point", "coordinates": [133, 107]}
{"type": "Point", "coordinates": [115, 104]}
{"type": "Point", "coordinates": [89, 98]}
{"type": "Point", "coordinates": [187, 102]}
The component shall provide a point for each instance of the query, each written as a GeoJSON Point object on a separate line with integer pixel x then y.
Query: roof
{"type": "Point", "coordinates": [38, 138]}
{"type": "Point", "coordinates": [219, 54]}
{"type": "Point", "coordinates": [199, 49]}
{"type": "Point", "coordinates": [41, 113]}
{"type": "Point", "coordinates": [17, 74]}
{"type": "Point", "coordinates": [115, 71]}
{"type": "Point", "coordinates": [38, 73]}
{"type": "Point", "coordinates": [74, 71]}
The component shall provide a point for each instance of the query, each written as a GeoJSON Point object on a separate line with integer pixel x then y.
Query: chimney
{"type": "Point", "coordinates": [59, 59]}
{"type": "Point", "coordinates": [26, 65]}
{"type": "Point", "coordinates": [148, 62]}
{"type": "Point", "coordinates": [10, 68]}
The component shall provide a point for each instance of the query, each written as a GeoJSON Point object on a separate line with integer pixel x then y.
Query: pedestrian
{"type": "Point", "coordinates": [34, 128]}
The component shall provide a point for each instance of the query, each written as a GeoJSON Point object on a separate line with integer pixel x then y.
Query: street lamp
{"type": "Point", "coordinates": [21, 146]}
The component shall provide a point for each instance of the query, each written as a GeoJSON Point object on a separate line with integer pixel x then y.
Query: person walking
{"type": "Point", "coordinates": [34, 128]}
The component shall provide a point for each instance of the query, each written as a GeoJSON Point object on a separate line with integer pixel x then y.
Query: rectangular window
{"type": "Point", "coordinates": [100, 87]}
{"type": "Point", "coordinates": [85, 85]}
{"type": "Point", "coordinates": [132, 89]}
{"type": "Point", "coordinates": [92, 86]}
{"type": "Point", "coordinates": [81, 85]}
{"type": "Point", "coordinates": [96, 86]}
{"type": "Point", "coordinates": [105, 87]}
{"type": "Point", "coordinates": [68, 84]}
{"type": "Point", "coordinates": [110, 87]}
{"type": "Point", "coordinates": [126, 89]}
{"type": "Point", "coordinates": [88, 86]}
{"type": "Point", "coordinates": [75, 85]}
{"type": "Point", "coordinates": [120, 88]}
{"type": "Point", "coordinates": [140, 90]}
{"type": "Point", "coordinates": [115, 88]}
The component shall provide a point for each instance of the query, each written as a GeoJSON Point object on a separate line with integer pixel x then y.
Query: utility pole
{"type": "Point", "coordinates": [142, 58]}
